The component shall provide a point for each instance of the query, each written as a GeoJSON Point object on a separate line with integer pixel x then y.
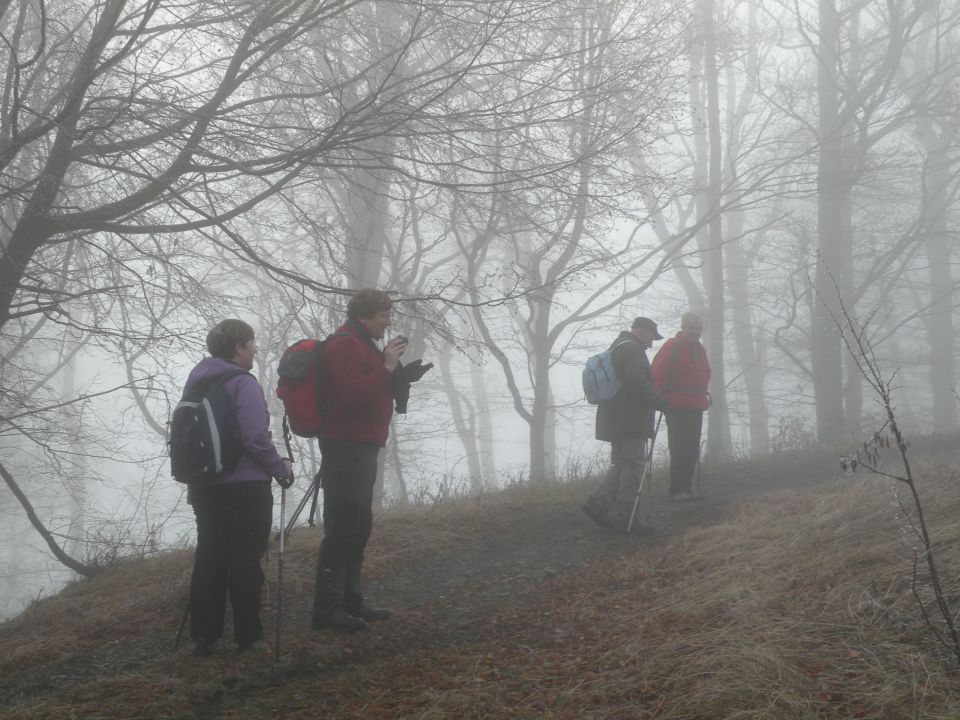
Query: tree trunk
{"type": "Point", "coordinates": [941, 332]}
{"type": "Point", "coordinates": [538, 446]}
{"type": "Point", "coordinates": [465, 417]}
{"type": "Point", "coordinates": [747, 338]}
{"type": "Point", "coordinates": [51, 541]}
{"type": "Point", "coordinates": [74, 480]}
{"type": "Point", "coordinates": [748, 356]}
{"type": "Point", "coordinates": [719, 446]}
{"type": "Point", "coordinates": [832, 207]}
{"type": "Point", "coordinates": [488, 457]}
{"type": "Point", "coordinates": [366, 215]}
{"type": "Point", "coordinates": [541, 461]}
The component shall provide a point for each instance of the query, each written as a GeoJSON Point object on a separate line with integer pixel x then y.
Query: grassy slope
{"type": "Point", "coordinates": [796, 605]}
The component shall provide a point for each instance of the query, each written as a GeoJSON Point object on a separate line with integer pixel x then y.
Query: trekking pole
{"type": "Point", "coordinates": [183, 624]}
{"type": "Point", "coordinates": [311, 492]}
{"type": "Point", "coordinates": [313, 505]}
{"type": "Point", "coordinates": [283, 509]}
{"type": "Point", "coordinates": [186, 614]}
{"type": "Point", "coordinates": [643, 475]}
{"type": "Point", "coordinates": [283, 512]}
{"type": "Point", "coordinates": [296, 514]}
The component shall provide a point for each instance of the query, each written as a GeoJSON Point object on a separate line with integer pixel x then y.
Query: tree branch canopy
{"type": "Point", "coordinates": [164, 117]}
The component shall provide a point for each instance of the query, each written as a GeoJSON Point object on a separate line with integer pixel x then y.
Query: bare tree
{"type": "Point", "coordinates": [936, 131]}
{"type": "Point", "coordinates": [858, 50]}
{"type": "Point", "coordinates": [551, 241]}
{"type": "Point", "coordinates": [146, 133]}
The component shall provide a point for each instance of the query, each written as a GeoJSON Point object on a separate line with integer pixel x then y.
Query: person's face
{"type": "Point", "coordinates": [644, 336]}
{"type": "Point", "coordinates": [244, 354]}
{"type": "Point", "coordinates": [692, 329]}
{"type": "Point", "coordinates": [376, 325]}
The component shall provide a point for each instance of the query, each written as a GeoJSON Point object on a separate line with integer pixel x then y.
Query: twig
{"type": "Point", "coordinates": [865, 359]}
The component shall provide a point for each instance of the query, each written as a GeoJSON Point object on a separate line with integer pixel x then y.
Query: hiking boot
{"type": "Point", "coordinates": [341, 621]}
{"type": "Point", "coordinates": [204, 648]}
{"type": "Point", "coordinates": [370, 614]}
{"type": "Point", "coordinates": [593, 510]}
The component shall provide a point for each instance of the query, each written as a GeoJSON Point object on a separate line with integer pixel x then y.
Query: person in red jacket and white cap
{"type": "Point", "coordinates": [681, 373]}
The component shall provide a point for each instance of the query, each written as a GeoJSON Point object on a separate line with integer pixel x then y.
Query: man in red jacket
{"type": "Point", "coordinates": [681, 374]}
{"type": "Point", "coordinates": [360, 382]}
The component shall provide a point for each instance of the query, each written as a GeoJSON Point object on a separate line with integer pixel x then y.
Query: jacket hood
{"type": "Point", "coordinates": [624, 335]}
{"type": "Point", "coordinates": [210, 367]}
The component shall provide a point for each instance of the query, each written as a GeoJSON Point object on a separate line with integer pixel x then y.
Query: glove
{"type": "Point", "coordinates": [661, 403]}
{"type": "Point", "coordinates": [414, 370]}
{"type": "Point", "coordinates": [286, 480]}
{"type": "Point", "coordinates": [401, 398]}
{"type": "Point", "coordinates": [402, 377]}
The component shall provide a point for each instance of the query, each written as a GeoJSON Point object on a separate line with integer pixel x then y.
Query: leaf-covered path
{"type": "Point", "coordinates": [476, 588]}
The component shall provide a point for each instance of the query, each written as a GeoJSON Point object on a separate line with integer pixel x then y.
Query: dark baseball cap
{"type": "Point", "coordinates": [647, 324]}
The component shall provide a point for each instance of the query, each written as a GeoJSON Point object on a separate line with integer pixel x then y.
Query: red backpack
{"type": "Point", "coordinates": [299, 387]}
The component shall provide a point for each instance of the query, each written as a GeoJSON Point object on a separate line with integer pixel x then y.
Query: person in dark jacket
{"type": "Point", "coordinates": [626, 422]}
{"type": "Point", "coordinates": [361, 383]}
{"type": "Point", "coordinates": [234, 510]}
{"type": "Point", "coordinates": [681, 373]}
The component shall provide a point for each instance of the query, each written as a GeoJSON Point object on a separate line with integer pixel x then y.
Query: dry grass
{"type": "Point", "coordinates": [797, 605]}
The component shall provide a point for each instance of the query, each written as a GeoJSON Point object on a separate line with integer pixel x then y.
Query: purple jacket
{"type": "Point", "coordinates": [260, 459]}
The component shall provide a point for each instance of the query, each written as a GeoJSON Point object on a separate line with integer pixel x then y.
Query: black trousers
{"type": "Point", "coordinates": [683, 437]}
{"type": "Point", "coordinates": [348, 471]}
{"type": "Point", "coordinates": [233, 529]}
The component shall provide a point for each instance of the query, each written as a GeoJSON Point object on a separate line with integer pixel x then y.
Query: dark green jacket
{"type": "Point", "coordinates": [631, 412]}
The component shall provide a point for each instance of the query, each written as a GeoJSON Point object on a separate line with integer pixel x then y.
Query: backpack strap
{"type": "Point", "coordinates": [625, 341]}
{"type": "Point", "coordinates": [360, 340]}
{"type": "Point", "coordinates": [219, 381]}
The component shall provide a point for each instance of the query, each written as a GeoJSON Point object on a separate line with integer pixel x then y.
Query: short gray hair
{"type": "Point", "coordinates": [691, 317]}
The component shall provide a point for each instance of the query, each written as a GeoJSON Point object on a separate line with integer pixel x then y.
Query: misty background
{"type": "Point", "coordinates": [524, 177]}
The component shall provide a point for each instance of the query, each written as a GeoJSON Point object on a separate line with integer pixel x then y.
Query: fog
{"type": "Point", "coordinates": [524, 178]}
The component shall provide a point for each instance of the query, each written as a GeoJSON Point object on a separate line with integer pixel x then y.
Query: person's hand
{"type": "Point", "coordinates": [414, 370]}
{"type": "Point", "coordinates": [285, 479]}
{"type": "Point", "coordinates": [392, 352]}
{"type": "Point", "coordinates": [661, 404]}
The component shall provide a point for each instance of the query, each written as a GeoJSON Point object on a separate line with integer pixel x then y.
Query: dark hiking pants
{"type": "Point", "coordinates": [349, 471]}
{"type": "Point", "coordinates": [233, 529]}
{"type": "Point", "coordinates": [683, 438]}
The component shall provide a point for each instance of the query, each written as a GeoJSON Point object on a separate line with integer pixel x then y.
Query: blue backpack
{"type": "Point", "coordinates": [600, 381]}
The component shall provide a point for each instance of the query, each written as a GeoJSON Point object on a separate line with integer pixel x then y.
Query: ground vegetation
{"type": "Point", "coordinates": [784, 594]}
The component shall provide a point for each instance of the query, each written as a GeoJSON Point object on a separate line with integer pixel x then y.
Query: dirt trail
{"type": "Point", "coordinates": [446, 586]}
{"type": "Point", "coordinates": [537, 541]}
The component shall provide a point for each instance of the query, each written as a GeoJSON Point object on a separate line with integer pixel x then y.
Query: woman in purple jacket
{"type": "Point", "coordinates": [234, 510]}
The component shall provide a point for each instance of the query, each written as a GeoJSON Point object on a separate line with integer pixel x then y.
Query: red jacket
{"type": "Point", "coordinates": [681, 373]}
{"type": "Point", "coordinates": [359, 402]}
